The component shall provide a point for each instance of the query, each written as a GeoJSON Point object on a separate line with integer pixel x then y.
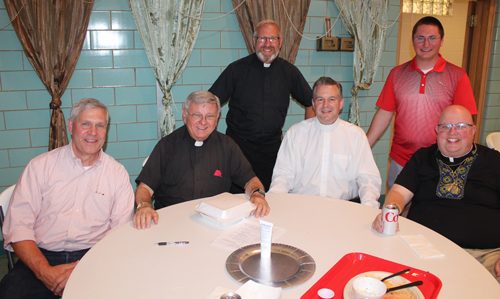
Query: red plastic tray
{"type": "Point", "coordinates": [356, 263]}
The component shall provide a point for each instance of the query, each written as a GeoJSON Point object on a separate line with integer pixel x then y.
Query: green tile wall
{"type": "Point", "coordinates": [9, 40]}
{"type": "Point", "coordinates": [144, 76]}
{"type": "Point", "coordinates": [15, 100]}
{"type": "Point", "coordinates": [21, 157]}
{"type": "Point", "coordinates": [39, 137]}
{"type": "Point", "coordinates": [80, 79]}
{"type": "Point", "coordinates": [11, 61]}
{"type": "Point", "coordinates": [105, 95]}
{"type": "Point", "coordinates": [4, 159]}
{"type": "Point", "coordinates": [24, 80]}
{"type": "Point", "coordinates": [147, 113]}
{"type": "Point", "coordinates": [232, 40]}
{"type": "Point", "coordinates": [122, 20]}
{"type": "Point", "coordinates": [208, 39]}
{"type": "Point", "coordinates": [99, 20]}
{"type": "Point", "coordinates": [123, 150]}
{"type": "Point", "coordinates": [114, 77]}
{"type": "Point", "coordinates": [130, 58]}
{"type": "Point", "coordinates": [134, 95]}
{"type": "Point", "coordinates": [95, 59]}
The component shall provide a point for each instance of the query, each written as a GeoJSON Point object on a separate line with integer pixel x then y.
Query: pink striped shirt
{"type": "Point", "coordinates": [63, 207]}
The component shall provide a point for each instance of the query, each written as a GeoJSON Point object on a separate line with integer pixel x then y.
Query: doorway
{"type": "Point", "coordinates": [474, 56]}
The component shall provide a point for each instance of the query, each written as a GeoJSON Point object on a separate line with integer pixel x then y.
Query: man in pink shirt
{"type": "Point", "coordinates": [418, 91]}
{"type": "Point", "coordinates": [65, 201]}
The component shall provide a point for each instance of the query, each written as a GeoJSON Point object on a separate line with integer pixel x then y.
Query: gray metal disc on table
{"type": "Point", "coordinates": [287, 267]}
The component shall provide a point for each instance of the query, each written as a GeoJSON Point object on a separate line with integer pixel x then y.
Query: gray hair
{"type": "Point", "coordinates": [202, 97]}
{"type": "Point", "coordinates": [327, 81]}
{"type": "Point", "coordinates": [266, 22]}
{"type": "Point", "coordinates": [87, 103]}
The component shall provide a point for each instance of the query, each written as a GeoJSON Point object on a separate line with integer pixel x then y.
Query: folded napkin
{"type": "Point", "coordinates": [422, 247]}
{"type": "Point", "coordinates": [218, 292]}
{"type": "Point", "coordinates": [253, 290]}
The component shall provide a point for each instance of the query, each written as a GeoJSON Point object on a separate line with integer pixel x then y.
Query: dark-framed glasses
{"type": "Point", "coordinates": [462, 127]}
{"type": "Point", "coordinates": [430, 39]}
{"type": "Point", "coordinates": [208, 117]}
{"type": "Point", "coordinates": [272, 39]}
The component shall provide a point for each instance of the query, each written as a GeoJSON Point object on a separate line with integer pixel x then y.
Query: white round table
{"type": "Point", "coordinates": [127, 264]}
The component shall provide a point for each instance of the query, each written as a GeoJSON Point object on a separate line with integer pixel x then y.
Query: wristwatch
{"type": "Point", "coordinates": [262, 192]}
{"type": "Point", "coordinates": [141, 204]}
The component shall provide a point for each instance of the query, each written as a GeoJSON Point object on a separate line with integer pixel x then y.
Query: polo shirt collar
{"type": "Point", "coordinates": [439, 67]}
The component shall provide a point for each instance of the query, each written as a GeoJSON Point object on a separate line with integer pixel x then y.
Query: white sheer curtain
{"type": "Point", "coordinates": [168, 37]}
{"type": "Point", "coordinates": [366, 21]}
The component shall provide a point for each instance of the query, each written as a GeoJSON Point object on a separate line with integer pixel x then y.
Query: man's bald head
{"type": "Point", "coordinates": [455, 131]}
{"type": "Point", "coordinates": [458, 111]}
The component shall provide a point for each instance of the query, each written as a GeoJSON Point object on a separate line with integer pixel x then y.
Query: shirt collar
{"type": "Point", "coordinates": [456, 160]}
{"type": "Point", "coordinates": [79, 161]}
{"type": "Point", "coordinates": [263, 64]}
{"type": "Point", "coordinates": [439, 67]}
{"type": "Point", "coordinates": [193, 141]}
{"type": "Point", "coordinates": [326, 128]}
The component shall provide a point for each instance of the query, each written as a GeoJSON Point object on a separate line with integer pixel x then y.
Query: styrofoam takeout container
{"type": "Point", "coordinates": [225, 209]}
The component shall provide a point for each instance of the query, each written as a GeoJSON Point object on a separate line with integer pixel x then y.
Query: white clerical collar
{"type": "Point", "coordinates": [198, 143]}
{"type": "Point", "coordinates": [267, 64]}
{"type": "Point", "coordinates": [326, 128]}
{"type": "Point", "coordinates": [451, 159]}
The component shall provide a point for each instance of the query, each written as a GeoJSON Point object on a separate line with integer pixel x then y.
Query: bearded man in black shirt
{"type": "Point", "coordinates": [259, 87]}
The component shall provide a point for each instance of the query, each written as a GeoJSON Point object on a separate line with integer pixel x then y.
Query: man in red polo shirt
{"type": "Point", "coordinates": [418, 91]}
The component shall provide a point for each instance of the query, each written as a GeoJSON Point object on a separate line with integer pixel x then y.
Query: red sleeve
{"type": "Point", "coordinates": [387, 98]}
{"type": "Point", "coordinates": [464, 96]}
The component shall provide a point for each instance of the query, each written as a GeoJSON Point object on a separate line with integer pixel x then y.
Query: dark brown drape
{"type": "Point", "coordinates": [253, 11]}
{"type": "Point", "coordinates": [52, 33]}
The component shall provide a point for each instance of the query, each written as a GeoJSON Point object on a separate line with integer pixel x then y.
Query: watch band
{"type": "Point", "coordinates": [141, 204]}
{"type": "Point", "coordinates": [262, 192]}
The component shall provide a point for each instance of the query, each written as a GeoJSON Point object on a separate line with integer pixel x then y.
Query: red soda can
{"type": "Point", "coordinates": [390, 218]}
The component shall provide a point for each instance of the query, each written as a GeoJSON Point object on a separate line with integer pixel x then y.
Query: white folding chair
{"type": "Point", "coordinates": [493, 140]}
{"type": "Point", "coordinates": [4, 204]}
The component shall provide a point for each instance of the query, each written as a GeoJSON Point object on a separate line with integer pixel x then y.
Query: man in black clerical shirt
{"type": "Point", "coordinates": [454, 188]}
{"type": "Point", "coordinates": [259, 87]}
{"type": "Point", "coordinates": [194, 161]}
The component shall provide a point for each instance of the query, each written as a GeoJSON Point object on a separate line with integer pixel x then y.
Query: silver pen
{"type": "Point", "coordinates": [172, 243]}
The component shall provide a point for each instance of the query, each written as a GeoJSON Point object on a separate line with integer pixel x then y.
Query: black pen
{"type": "Point", "coordinates": [172, 243]}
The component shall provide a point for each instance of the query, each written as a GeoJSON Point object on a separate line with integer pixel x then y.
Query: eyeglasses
{"type": "Point", "coordinates": [198, 117]}
{"type": "Point", "coordinates": [458, 127]}
{"type": "Point", "coordinates": [430, 39]}
{"type": "Point", "coordinates": [263, 39]}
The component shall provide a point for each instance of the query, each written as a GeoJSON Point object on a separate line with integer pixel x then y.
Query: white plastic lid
{"type": "Point", "coordinates": [225, 206]}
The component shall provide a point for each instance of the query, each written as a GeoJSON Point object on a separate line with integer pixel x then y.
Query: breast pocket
{"type": "Point", "coordinates": [97, 207]}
